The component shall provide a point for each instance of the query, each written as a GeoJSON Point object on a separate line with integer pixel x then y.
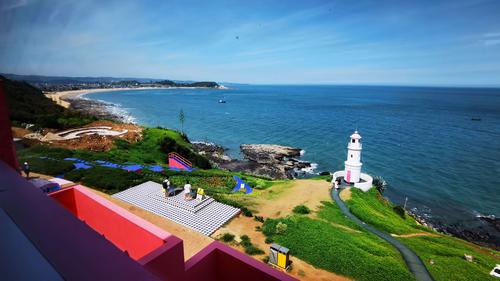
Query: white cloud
{"type": "Point", "coordinates": [491, 34]}
{"type": "Point", "coordinates": [9, 5]}
{"type": "Point", "coordinates": [491, 42]}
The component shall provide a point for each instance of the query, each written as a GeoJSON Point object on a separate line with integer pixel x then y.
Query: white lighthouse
{"type": "Point", "coordinates": [352, 171]}
{"type": "Point", "coordinates": [353, 163]}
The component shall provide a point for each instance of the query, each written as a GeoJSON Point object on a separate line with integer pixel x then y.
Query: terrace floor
{"type": "Point", "coordinates": [205, 217]}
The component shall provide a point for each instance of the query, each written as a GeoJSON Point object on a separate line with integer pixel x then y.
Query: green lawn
{"type": "Point", "coordinates": [446, 252]}
{"type": "Point", "coordinates": [372, 208]}
{"type": "Point", "coordinates": [351, 252]}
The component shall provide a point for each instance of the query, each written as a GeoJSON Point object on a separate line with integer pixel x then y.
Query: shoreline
{"type": "Point", "coordinates": [62, 97]}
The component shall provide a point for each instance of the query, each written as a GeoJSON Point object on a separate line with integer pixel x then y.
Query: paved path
{"type": "Point", "coordinates": [413, 262]}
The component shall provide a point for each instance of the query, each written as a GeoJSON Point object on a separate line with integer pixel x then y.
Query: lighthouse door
{"type": "Point", "coordinates": [348, 176]}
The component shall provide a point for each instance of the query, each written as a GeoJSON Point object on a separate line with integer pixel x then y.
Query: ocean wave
{"type": "Point", "coordinates": [122, 113]}
{"type": "Point", "coordinates": [309, 170]}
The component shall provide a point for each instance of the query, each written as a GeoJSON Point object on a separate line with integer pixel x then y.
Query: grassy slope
{"type": "Point", "coordinates": [446, 252]}
{"type": "Point", "coordinates": [372, 208]}
{"type": "Point", "coordinates": [331, 242]}
{"type": "Point", "coordinates": [28, 104]}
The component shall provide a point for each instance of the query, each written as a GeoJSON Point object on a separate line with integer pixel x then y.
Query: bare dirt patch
{"type": "Point", "coordinates": [19, 132]}
{"type": "Point", "coordinates": [102, 143]}
{"type": "Point", "coordinates": [345, 194]}
{"type": "Point", "coordinates": [284, 198]}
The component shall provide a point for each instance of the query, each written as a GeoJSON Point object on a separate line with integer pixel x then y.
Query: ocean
{"type": "Point", "coordinates": [426, 142]}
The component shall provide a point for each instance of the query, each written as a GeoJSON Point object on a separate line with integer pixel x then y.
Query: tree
{"type": "Point", "coordinates": [182, 117]}
{"type": "Point", "coordinates": [380, 184]}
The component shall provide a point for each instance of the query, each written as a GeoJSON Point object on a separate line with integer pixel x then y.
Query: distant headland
{"type": "Point", "coordinates": [64, 83]}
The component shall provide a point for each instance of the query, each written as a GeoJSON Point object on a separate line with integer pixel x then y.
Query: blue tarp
{"type": "Point", "coordinates": [132, 168]}
{"type": "Point", "coordinates": [81, 166]}
{"type": "Point", "coordinates": [110, 165]}
{"type": "Point", "coordinates": [156, 168]}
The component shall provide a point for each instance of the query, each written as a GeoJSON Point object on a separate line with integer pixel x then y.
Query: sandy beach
{"type": "Point", "coordinates": [62, 97]}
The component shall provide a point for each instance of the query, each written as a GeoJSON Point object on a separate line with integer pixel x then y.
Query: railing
{"type": "Point", "coordinates": [179, 158]}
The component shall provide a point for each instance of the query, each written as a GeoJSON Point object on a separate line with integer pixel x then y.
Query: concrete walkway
{"type": "Point", "coordinates": [413, 262]}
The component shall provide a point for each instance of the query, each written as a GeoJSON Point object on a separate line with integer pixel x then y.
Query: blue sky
{"type": "Point", "coordinates": [340, 42]}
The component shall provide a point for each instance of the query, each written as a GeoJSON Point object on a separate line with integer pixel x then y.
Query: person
{"type": "Point", "coordinates": [187, 191]}
{"type": "Point", "coordinates": [166, 186]}
{"type": "Point", "coordinates": [336, 184]}
{"type": "Point", "coordinates": [26, 169]}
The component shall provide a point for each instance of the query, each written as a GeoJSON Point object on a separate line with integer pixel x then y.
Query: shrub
{"type": "Point", "coordinates": [400, 211]}
{"type": "Point", "coordinates": [281, 228]}
{"type": "Point", "coordinates": [301, 209]}
{"type": "Point", "coordinates": [258, 218]}
{"type": "Point", "coordinates": [265, 259]}
{"type": "Point", "coordinates": [252, 250]}
{"type": "Point", "coordinates": [49, 166]}
{"type": "Point", "coordinates": [245, 240]}
{"type": "Point", "coordinates": [246, 212]}
{"type": "Point", "coordinates": [227, 237]}
{"type": "Point", "coordinates": [380, 184]}
{"type": "Point", "coordinates": [269, 240]}
{"type": "Point", "coordinates": [108, 179]}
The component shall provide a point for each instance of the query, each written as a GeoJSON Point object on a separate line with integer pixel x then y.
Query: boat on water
{"type": "Point", "coordinates": [475, 119]}
{"type": "Point", "coordinates": [222, 101]}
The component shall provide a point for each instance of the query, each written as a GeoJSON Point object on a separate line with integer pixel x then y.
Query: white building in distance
{"type": "Point", "coordinates": [352, 172]}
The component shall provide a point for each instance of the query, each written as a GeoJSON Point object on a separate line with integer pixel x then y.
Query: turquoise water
{"type": "Point", "coordinates": [421, 140]}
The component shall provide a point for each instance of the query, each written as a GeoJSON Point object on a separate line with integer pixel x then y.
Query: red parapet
{"type": "Point", "coordinates": [7, 149]}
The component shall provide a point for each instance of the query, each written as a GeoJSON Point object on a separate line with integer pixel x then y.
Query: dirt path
{"type": "Point", "coordinates": [418, 234]}
{"type": "Point", "coordinates": [280, 201]}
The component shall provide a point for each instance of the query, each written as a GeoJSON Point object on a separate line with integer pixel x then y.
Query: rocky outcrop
{"type": "Point", "coordinates": [268, 160]}
{"type": "Point", "coordinates": [269, 153]}
{"type": "Point", "coordinates": [213, 152]}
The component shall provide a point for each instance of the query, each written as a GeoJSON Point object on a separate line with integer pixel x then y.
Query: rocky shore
{"type": "Point", "coordinates": [268, 160]}
{"type": "Point", "coordinates": [483, 231]}
{"type": "Point", "coordinates": [100, 110]}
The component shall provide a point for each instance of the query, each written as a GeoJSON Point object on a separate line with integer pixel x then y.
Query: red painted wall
{"type": "Point", "coordinates": [167, 261]}
{"type": "Point", "coordinates": [125, 234]}
{"type": "Point", "coordinates": [7, 150]}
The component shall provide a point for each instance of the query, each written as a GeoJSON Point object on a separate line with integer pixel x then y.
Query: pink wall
{"type": "Point", "coordinates": [126, 231]}
{"type": "Point", "coordinates": [7, 150]}
{"type": "Point", "coordinates": [167, 261]}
